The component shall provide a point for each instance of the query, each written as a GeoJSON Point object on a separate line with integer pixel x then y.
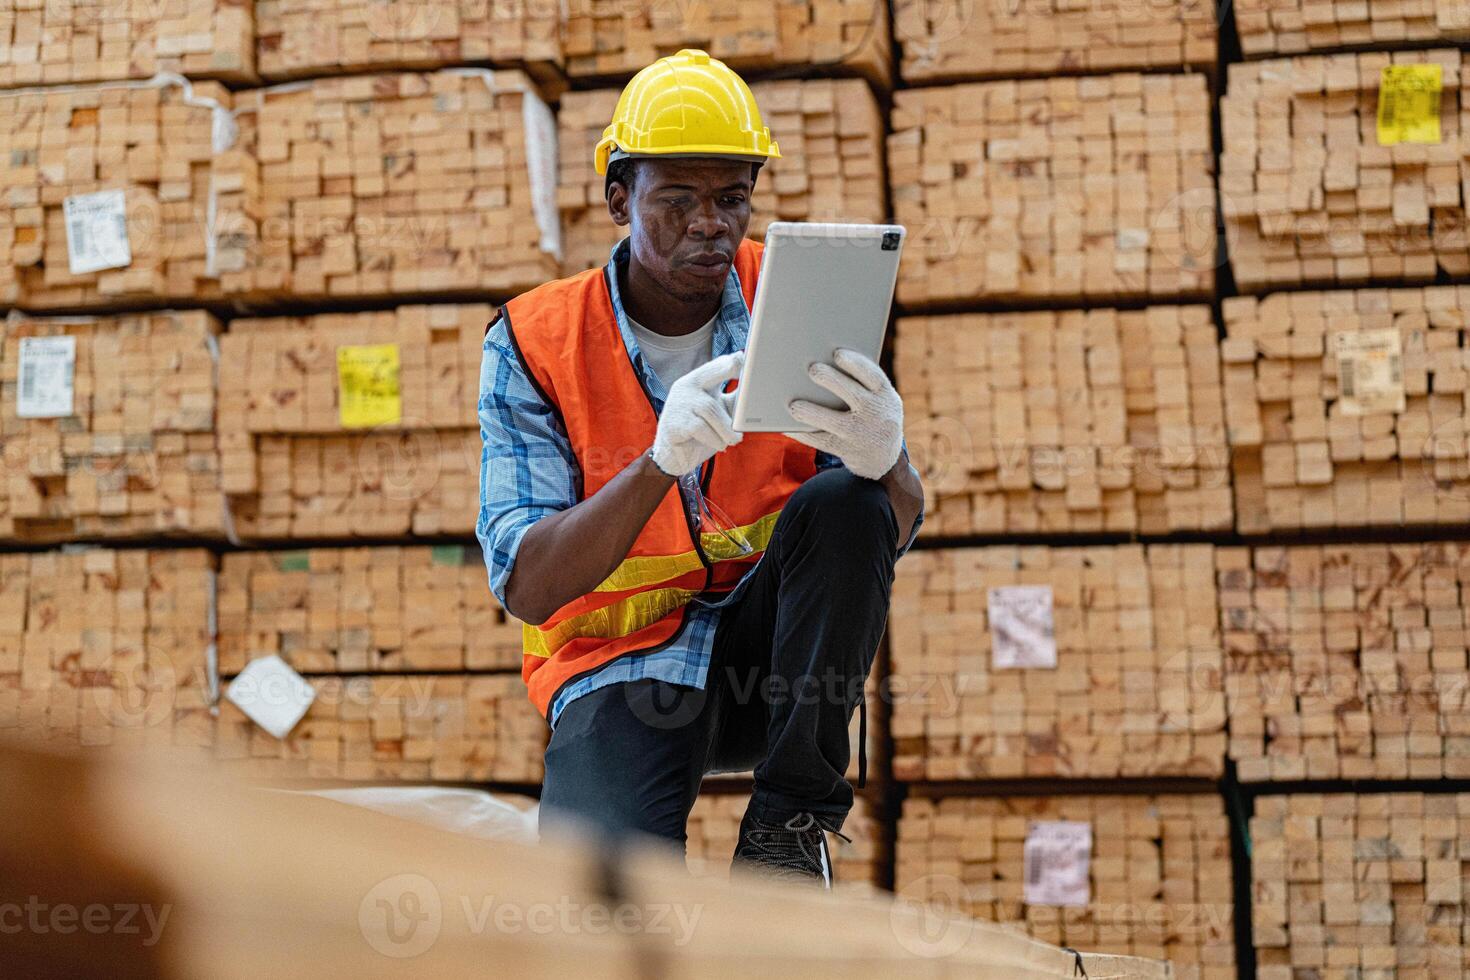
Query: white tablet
{"type": "Point", "coordinates": [822, 286]}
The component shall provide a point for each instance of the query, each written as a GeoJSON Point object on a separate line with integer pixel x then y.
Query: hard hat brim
{"type": "Point", "coordinates": [609, 152]}
{"type": "Point", "coordinates": [616, 155]}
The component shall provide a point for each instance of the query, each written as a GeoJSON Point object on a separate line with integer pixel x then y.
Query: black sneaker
{"type": "Point", "coordinates": [795, 850]}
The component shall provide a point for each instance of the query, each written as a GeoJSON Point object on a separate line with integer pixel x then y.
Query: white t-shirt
{"type": "Point", "coordinates": [673, 357]}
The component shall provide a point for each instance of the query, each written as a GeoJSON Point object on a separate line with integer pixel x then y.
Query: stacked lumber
{"type": "Point", "coordinates": [1452, 17]}
{"type": "Point", "coordinates": [831, 166]}
{"type": "Point", "coordinates": [1386, 447]}
{"type": "Point", "coordinates": [1296, 26]}
{"type": "Point", "coordinates": [296, 470]}
{"type": "Point", "coordinates": [1159, 876]}
{"type": "Point", "coordinates": [359, 610]}
{"type": "Point", "coordinates": [1097, 420]}
{"type": "Point", "coordinates": [281, 374]}
{"type": "Point", "coordinates": [158, 145]}
{"type": "Point", "coordinates": [135, 453]}
{"type": "Point", "coordinates": [1360, 885]}
{"type": "Point", "coordinates": [1308, 194]}
{"type": "Point", "coordinates": [1061, 189]}
{"type": "Point", "coordinates": [378, 484]}
{"type": "Point", "coordinates": [588, 232]}
{"type": "Point", "coordinates": [602, 38]}
{"type": "Point", "coordinates": [105, 647]}
{"type": "Point", "coordinates": [95, 41]}
{"type": "Point", "coordinates": [1346, 661]}
{"type": "Point", "coordinates": [336, 37]}
{"type": "Point", "coordinates": [392, 185]}
{"type": "Point", "coordinates": [714, 828]}
{"type": "Point", "coordinates": [412, 727]}
{"type": "Point", "coordinates": [1134, 685]}
{"type": "Point", "coordinates": [955, 40]}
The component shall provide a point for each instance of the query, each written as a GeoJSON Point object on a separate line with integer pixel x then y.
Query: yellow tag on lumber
{"type": "Point", "coordinates": [1408, 104]}
{"type": "Point", "coordinates": [367, 385]}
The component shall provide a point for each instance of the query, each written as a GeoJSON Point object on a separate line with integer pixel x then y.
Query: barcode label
{"type": "Point", "coordinates": [1033, 866]}
{"type": "Point", "coordinates": [97, 231]}
{"type": "Point", "coordinates": [1370, 371]}
{"type": "Point", "coordinates": [76, 233]}
{"type": "Point", "coordinates": [1058, 863]}
{"type": "Point", "coordinates": [46, 380]}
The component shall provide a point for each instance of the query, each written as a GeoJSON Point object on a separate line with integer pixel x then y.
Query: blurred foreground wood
{"type": "Point", "coordinates": [227, 882]}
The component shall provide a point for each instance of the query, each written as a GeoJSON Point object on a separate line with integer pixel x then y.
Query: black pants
{"type": "Point", "coordinates": [790, 658]}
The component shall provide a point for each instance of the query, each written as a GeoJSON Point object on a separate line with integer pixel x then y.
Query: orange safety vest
{"type": "Point", "coordinates": [567, 336]}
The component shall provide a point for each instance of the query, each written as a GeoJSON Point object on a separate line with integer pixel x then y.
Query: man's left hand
{"type": "Point", "coordinates": [868, 436]}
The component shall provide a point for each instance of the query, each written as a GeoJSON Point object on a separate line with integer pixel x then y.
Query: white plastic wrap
{"type": "Point", "coordinates": [471, 812]}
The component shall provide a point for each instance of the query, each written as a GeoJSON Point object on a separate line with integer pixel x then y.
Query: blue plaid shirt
{"type": "Point", "coordinates": [528, 470]}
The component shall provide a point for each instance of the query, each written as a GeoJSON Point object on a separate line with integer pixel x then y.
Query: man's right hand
{"type": "Point", "coordinates": [697, 419]}
{"type": "Point", "coordinates": [569, 553]}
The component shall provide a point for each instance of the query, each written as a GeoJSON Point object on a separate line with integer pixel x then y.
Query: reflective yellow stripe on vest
{"type": "Point", "coordinates": [644, 570]}
{"type": "Point", "coordinates": [637, 611]}
{"type": "Point", "coordinates": [618, 619]}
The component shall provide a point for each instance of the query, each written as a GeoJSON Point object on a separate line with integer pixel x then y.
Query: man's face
{"type": "Point", "coordinates": [685, 219]}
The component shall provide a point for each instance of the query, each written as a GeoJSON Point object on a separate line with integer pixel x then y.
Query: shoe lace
{"type": "Point", "coordinates": [793, 849]}
{"type": "Point", "coordinates": [805, 821]}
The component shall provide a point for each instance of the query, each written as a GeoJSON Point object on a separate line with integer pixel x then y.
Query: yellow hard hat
{"type": "Point", "coordinates": [687, 104]}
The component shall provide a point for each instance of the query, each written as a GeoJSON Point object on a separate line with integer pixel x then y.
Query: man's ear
{"type": "Point", "coordinates": [619, 204]}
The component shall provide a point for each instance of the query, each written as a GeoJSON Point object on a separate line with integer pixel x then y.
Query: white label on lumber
{"type": "Point", "coordinates": [1021, 630]}
{"type": "Point", "coordinates": [1058, 860]}
{"type": "Point", "coordinates": [97, 231]}
{"type": "Point", "coordinates": [46, 377]}
{"type": "Point", "coordinates": [1370, 371]}
{"type": "Point", "coordinates": [271, 694]}
{"type": "Point", "coordinates": [541, 164]}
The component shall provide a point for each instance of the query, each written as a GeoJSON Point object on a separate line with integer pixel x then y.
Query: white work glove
{"type": "Point", "coordinates": [869, 435]}
{"type": "Point", "coordinates": [697, 419]}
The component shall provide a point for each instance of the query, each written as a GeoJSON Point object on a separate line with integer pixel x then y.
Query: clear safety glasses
{"type": "Point", "coordinates": [719, 535]}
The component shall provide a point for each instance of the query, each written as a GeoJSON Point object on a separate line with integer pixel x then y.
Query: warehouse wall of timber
{"type": "Point", "coordinates": [1181, 330]}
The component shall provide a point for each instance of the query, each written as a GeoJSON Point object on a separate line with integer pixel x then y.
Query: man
{"type": "Point", "coordinates": [696, 600]}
